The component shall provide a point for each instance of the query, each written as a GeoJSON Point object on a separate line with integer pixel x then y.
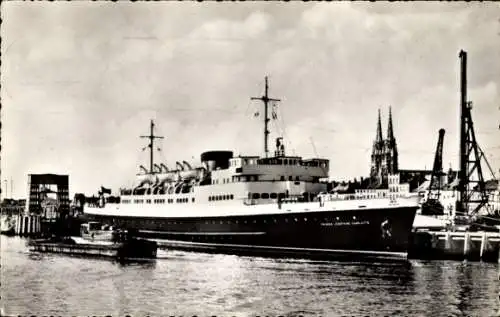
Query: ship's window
{"type": "Point", "coordinates": [255, 196]}
{"type": "Point", "coordinates": [192, 200]}
{"type": "Point", "coordinates": [265, 195]}
{"type": "Point", "coordinates": [296, 178]}
{"type": "Point", "coordinates": [290, 177]}
{"type": "Point", "coordinates": [305, 219]}
{"type": "Point", "coordinates": [255, 221]}
{"type": "Point", "coordinates": [236, 221]}
{"type": "Point", "coordinates": [274, 219]}
{"type": "Point", "coordinates": [232, 196]}
{"type": "Point", "coordinates": [273, 196]}
{"type": "Point", "coordinates": [209, 198]}
{"type": "Point", "coordinates": [282, 178]}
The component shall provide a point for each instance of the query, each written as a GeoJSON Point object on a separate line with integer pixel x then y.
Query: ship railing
{"type": "Point", "coordinates": [343, 197]}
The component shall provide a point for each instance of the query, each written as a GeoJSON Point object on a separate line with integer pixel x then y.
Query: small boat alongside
{"type": "Point", "coordinates": [98, 241]}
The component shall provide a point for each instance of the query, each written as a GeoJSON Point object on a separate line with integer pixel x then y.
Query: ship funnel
{"type": "Point", "coordinates": [165, 168]}
{"type": "Point", "coordinates": [179, 166]}
{"type": "Point", "coordinates": [186, 164]}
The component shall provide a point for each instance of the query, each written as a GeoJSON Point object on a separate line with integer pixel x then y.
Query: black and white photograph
{"type": "Point", "coordinates": [250, 158]}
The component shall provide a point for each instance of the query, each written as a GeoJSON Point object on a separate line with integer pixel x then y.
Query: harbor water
{"type": "Point", "coordinates": [189, 284]}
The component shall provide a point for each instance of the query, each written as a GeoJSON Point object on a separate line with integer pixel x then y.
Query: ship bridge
{"type": "Point", "coordinates": [279, 168]}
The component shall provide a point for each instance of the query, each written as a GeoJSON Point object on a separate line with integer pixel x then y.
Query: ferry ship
{"type": "Point", "coordinates": [276, 203]}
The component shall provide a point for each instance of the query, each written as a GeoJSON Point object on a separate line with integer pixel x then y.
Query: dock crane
{"type": "Point", "coordinates": [432, 206]}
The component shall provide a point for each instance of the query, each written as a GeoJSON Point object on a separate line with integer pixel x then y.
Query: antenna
{"type": "Point", "coordinates": [265, 99]}
{"type": "Point", "coordinates": [151, 138]}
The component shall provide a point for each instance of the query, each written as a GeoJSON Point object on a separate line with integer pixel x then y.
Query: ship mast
{"type": "Point", "coordinates": [265, 99]}
{"type": "Point", "coordinates": [151, 138]}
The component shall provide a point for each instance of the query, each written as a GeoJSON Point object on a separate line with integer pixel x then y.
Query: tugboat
{"type": "Point", "coordinates": [100, 241]}
{"type": "Point", "coordinates": [271, 204]}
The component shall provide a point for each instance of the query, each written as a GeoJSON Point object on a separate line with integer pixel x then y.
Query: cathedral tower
{"type": "Point", "coordinates": [384, 154]}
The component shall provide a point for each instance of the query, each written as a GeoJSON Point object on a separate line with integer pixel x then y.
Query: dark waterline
{"type": "Point", "coordinates": [181, 283]}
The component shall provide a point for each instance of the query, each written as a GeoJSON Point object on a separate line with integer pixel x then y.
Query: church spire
{"type": "Point", "coordinates": [379, 129]}
{"type": "Point", "coordinates": [390, 132]}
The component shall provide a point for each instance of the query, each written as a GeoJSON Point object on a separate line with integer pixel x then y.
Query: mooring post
{"type": "Point", "coordinates": [447, 244]}
{"type": "Point", "coordinates": [466, 244]}
{"type": "Point", "coordinates": [483, 245]}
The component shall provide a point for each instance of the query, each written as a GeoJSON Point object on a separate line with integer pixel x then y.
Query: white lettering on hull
{"type": "Point", "coordinates": [349, 223]}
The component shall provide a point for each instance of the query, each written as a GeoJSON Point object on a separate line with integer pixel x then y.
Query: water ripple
{"type": "Point", "coordinates": [188, 284]}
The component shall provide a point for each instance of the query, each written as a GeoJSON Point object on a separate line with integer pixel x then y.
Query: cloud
{"type": "Point", "coordinates": [81, 84]}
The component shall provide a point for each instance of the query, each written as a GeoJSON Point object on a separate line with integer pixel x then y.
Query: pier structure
{"type": "Point", "coordinates": [473, 246]}
{"type": "Point", "coordinates": [41, 212]}
{"type": "Point", "coordinates": [39, 188]}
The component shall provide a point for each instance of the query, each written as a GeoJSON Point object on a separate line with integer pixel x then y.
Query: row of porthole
{"type": "Point", "coordinates": [221, 197]}
{"type": "Point", "coordinates": [159, 201]}
{"type": "Point", "coordinates": [266, 195]}
{"type": "Point", "coordinates": [274, 220]}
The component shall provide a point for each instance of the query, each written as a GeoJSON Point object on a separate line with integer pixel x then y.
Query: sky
{"type": "Point", "coordinates": [81, 80]}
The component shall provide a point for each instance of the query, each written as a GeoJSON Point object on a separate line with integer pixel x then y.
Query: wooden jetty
{"type": "Point", "coordinates": [448, 245]}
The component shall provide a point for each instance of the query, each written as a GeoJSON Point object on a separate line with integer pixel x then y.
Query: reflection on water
{"type": "Point", "coordinates": [202, 284]}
